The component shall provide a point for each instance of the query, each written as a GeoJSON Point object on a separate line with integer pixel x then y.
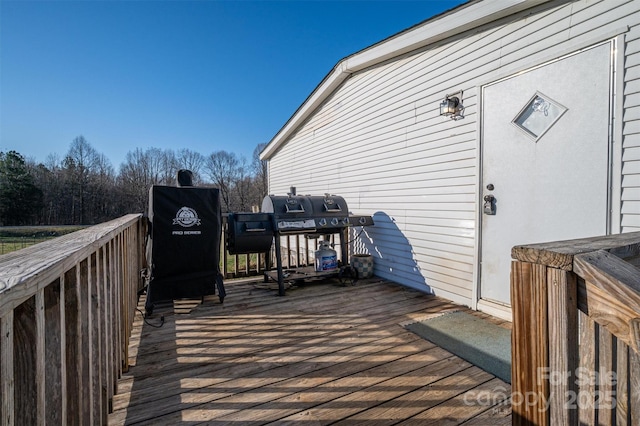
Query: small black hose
{"type": "Point", "coordinates": [148, 323]}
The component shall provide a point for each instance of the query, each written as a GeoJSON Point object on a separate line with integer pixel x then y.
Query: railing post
{"type": "Point", "coordinates": [64, 392]}
{"type": "Point", "coordinates": [545, 345]}
{"type": "Point", "coordinates": [40, 360]}
{"type": "Point", "coordinates": [96, 361]}
{"type": "Point", "coordinates": [7, 390]}
{"type": "Point", "coordinates": [634, 386]}
{"type": "Point", "coordinates": [530, 359]}
{"type": "Point", "coordinates": [563, 343]}
{"type": "Point", "coordinates": [85, 351]}
{"type": "Point", "coordinates": [73, 345]}
{"type": "Point", "coordinates": [54, 350]}
{"type": "Point", "coordinates": [25, 359]}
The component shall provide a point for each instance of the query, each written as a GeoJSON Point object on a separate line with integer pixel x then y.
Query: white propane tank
{"type": "Point", "coordinates": [326, 258]}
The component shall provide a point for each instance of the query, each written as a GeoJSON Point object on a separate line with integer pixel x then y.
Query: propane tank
{"type": "Point", "coordinates": [326, 258]}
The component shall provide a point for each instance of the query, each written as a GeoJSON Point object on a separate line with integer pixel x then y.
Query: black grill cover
{"type": "Point", "coordinates": [183, 250]}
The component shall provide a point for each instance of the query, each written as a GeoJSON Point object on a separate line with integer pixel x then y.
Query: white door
{"type": "Point", "coordinates": [545, 159]}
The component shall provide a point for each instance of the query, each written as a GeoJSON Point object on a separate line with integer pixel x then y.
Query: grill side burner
{"type": "Point", "coordinates": [292, 214]}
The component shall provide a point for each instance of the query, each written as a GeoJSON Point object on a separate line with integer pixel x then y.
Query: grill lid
{"type": "Point", "coordinates": [292, 214]}
{"type": "Point", "coordinates": [249, 232]}
{"type": "Point", "coordinates": [295, 213]}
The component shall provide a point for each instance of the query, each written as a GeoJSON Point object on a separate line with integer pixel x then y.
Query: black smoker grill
{"type": "Point", "coordinates": [291, 214]}
{"type": "Point", "coordinates": [183, 249]}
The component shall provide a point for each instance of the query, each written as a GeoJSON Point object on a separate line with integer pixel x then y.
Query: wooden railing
{"type": "Point", "coordinates": [66, 310]}
{"type": "Point", "coordinates": [576, 332]}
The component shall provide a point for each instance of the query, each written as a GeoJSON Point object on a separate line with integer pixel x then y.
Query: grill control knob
{"type": "Point", "coordinates": [322, 222]}
{"type": "Point", "coordinates": [345, 220]}
{"type": "Point", "coordinates": [334, 221]}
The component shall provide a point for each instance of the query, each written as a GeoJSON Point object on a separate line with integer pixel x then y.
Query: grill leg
{"type": "Point", "coordinates": [221, 291]}
{"type": "Point", "coordinates": [148, 305]}
{"type": "Point", "coordinates": [279, 266]}
{"type": "Point", "coordinates": [344, 250]}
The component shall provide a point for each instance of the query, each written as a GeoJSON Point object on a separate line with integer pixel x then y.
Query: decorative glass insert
{"type": "Point", "coordinates": [538, 115]}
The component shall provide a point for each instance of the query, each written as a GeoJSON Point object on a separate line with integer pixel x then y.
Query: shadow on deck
{"type": "Point", "coordinates": [323, 354]}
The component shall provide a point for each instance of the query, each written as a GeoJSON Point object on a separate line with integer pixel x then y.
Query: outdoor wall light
{"type": "Point", "coordinates": [452, 107]}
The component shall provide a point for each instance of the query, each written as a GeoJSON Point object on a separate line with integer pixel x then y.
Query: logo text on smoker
{"type": "Point", "coordinates": [186, 217]}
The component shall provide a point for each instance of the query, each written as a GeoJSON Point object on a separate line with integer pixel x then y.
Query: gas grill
{"type": "Point", "coordinates": [312, 216]}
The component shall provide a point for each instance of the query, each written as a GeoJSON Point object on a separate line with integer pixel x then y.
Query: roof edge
{"type": "Point", "coordinates": [458, 20]}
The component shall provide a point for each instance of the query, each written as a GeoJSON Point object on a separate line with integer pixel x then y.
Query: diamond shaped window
{"type": "Point", "coordinates": [538, 115]}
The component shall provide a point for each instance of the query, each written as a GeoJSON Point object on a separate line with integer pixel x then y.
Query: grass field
{"type": "Point", "coordinates": [241, 260]}
{"type": "Point", "coordinates": [14, 238]}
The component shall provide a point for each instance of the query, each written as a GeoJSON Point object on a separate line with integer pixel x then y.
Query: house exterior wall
{"type": "Point", "coordinates": [379, 141]}
{"type": "Point", "coordinates": [630, 200]}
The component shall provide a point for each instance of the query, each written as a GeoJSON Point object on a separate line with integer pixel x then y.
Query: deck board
{"type": "Point", "coordinates": [322, 354]}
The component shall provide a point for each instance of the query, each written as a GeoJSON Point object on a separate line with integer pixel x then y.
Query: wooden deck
{"type": "Point", "coordinates": [322, 354]}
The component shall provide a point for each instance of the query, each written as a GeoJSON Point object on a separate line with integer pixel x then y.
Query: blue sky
{"type": "Point", "coordinates": [203, 75]}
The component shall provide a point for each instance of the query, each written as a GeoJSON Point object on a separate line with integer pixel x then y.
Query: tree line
{"type": "Point", "coordinates": [83, 187]}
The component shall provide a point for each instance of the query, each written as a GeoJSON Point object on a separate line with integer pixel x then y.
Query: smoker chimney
{"type": "Point", "coordinates": [185, 178]}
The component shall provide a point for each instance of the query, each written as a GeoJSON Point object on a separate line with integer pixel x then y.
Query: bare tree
{"type": "Point", "coordinates": [260, 172]}
{"type": "Point", "coordinates": [242, 186]}
{"type": "Point", "coordinates": [143, 169]}
{"type": "Point", "coordinates": [81, 160]}
{"type": "Point", "coordinates": [136, 177]}
{"type": "Point", "coordinates": [166, 164]}
{"type": "Point", "coordinates": [191, 160]}
{"type": "Point", "coordinates": [222, 169]}
{"type": "Point", "coordinates": [82, 186]}
{"type": "Point", "coordinates": [103, 203]}
{"type": "Point", "coordinates": [46, 178]}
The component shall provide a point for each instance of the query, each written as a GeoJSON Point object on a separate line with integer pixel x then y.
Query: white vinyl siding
{"type": "Point", "coordinates": [379, 142]}
{"type": "Point", "coordinates": [631, 142]}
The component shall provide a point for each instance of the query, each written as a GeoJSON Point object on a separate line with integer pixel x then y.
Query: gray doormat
{"type": "Point", "coordinates": [473, 339]}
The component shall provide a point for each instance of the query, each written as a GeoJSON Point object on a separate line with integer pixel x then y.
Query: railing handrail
{"type": "Point", "coordinates": [560, 254]}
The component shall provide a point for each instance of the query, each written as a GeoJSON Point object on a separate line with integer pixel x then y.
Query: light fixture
{"type": "Point", "coordinates": [452, 106]}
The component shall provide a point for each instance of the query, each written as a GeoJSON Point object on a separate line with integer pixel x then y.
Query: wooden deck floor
{"type": "Point", "coordinates": [322, 354]}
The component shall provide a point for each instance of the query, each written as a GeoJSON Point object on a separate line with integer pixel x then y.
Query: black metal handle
{"type": "Point", "coordinates": [332, 207]}
{"type": "Point", "coordinates": [298, 210]}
